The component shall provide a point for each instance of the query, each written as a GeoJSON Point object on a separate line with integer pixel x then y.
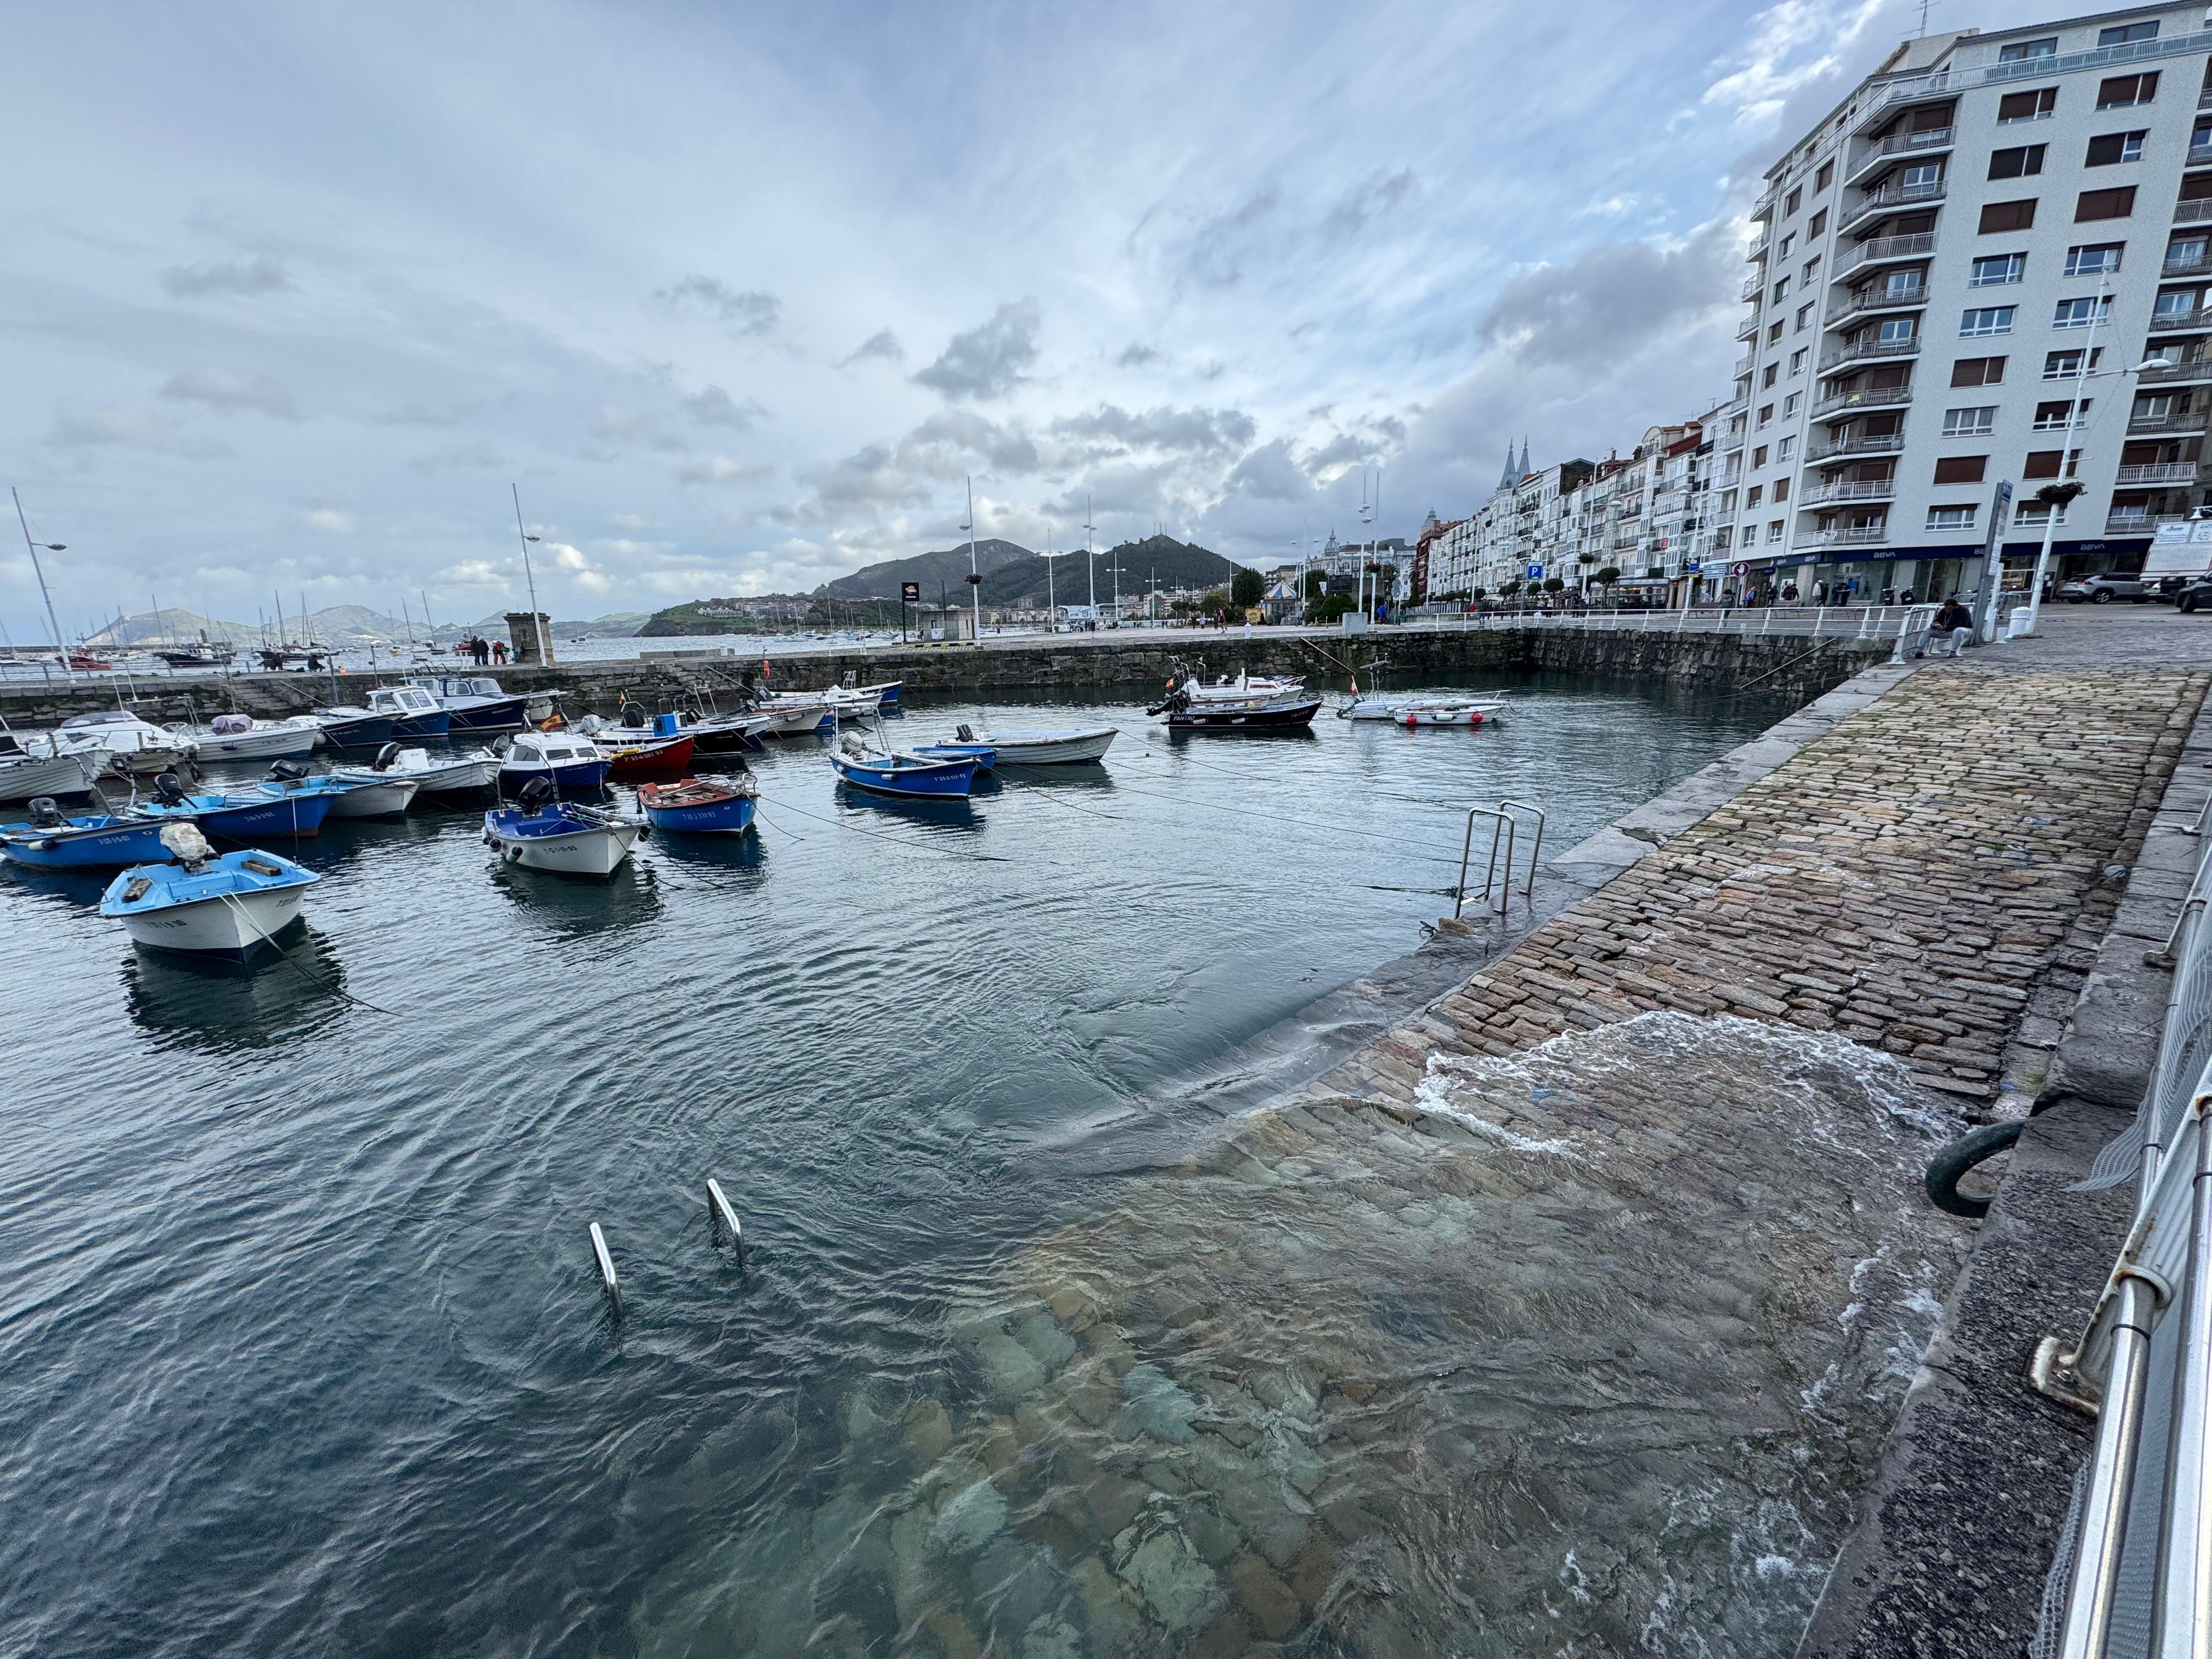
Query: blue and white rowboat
{"type": "Point", "coordinates": [908, 775]}
{"type": "Point", "coordinates": [232, 906]}
{"type": "Point", "coordinates": [52, 841]}
{"type": "Point", "coordinates": [253, 816]}
{"type": "Point", "coordinates": [563, 837]}
{"type": "Point", "coordinates": [699, 806]}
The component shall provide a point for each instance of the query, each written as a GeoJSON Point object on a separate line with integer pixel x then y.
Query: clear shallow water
{"type": "Point", "coordinates": [300, 1347]}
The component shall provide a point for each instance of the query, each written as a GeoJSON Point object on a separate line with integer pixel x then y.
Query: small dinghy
{"type": "Point", "coordinates": [230, 906]}
{"type": "Point", "coordinates": [909, 776]}
{"type": "Point", "coordinates": [52, 841]}
{"type": "Point", "coordinates": [699, 806]}
{"type": "Point", "coordinates": [1071, 748]}
{"type": "Point", "coordinates": [567, 839]}
{"type": "Point", "coordinates": [465, 774]}
{"type": "Point", "coordinates": [376, 795]}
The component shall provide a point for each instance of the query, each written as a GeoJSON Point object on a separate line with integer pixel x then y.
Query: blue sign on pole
{"type": "Point", "coordinates": [1535, 573]}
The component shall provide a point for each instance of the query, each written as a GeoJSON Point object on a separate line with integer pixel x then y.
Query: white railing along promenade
{"type": "Point", "coordinates": [1879, 623]}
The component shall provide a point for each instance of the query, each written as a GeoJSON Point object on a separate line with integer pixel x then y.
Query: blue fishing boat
{"type": "Point", "coordinates": [52, 841]}
{"type": "Point", "coordinates": [545, 833]}
{"type": "Point", "coordinates": [476, 703]}
{"type": "Point", "coordinates": [908, 775]}
{"type": "Point", "coordinates": [568, 762]}
{"type": "Point", "coordinates": [699, 806]}
{"type": "Point", "coordinates": [264, 810]}
{"type": "Point", "coordinates": [232, 906]}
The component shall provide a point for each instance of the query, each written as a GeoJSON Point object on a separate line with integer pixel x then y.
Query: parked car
{"type": "Point", "coordinates": [2104, 589]}
{"type": "Point", "coordinates": [2196, 596]}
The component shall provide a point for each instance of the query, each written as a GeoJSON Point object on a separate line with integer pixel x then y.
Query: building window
{"type": "Point", "coordinates": [1773, 531]}
{"type": "Point", "coordinates": [1804, 319]}
{"type": "Point", "coordinates": [1819, 223]}
{"type": "Point", "coordinates": [2016, 163]}
{"type": "Point", "coordinates": [2007, 215]}
{"type": "Point", "coordinates": [1759, 457]}
{"type": "Point", "coordinates": [1952, 518]}
{"type": "Point", "coordinates": [2081, 313]}
{"type": "Point", "coordinates": [1977, 371]}
{"type": "Point", "coordinates": [2035, 105]}
{"type": "Point", "coordinates": [2093, 258]}
{"type": "Point", "coordinates": [1797, 362]}
{"type": "Point", "coordinates": [1754, 495]}
{"type": "Point", "coordinates": [1903, 285]}
{"type": "Point", "coordinates": [2062, 415]}
{"type": "Point", "coordinates": [2044, 464]}
{"type": "Point", "coordinates": [1769, 372]}
{"type": "Point", "coordinates": [2121, 34]}
{"type": "Point", "coordinates": [1997, 269]}
{"type": "Point", "coordinates": [1774, 333]}
{"type": "Point", "coordinates": [2187, 249]}
{"type": "Point", "coordinates": [2110, 148]}
{"type": "Point", "coordinates": [1989, 319]}
{"type": "Point", "coordinates": [2066, 365]}
{"type": "Point", "coordinates": [1961, 469]}
{"type": "Point", "coordinates": [1781, 491]}
{"type": "Point", "coordinates": [2172, 302]}
{"type": "Point", "coordinates": [1789, 405]}
{"type": "Point", "coordinates": [2126, 91]}
{"type": "Point", "coordinates": [2104, 205]}
{"type": "Point", "coordinates": [1970, 423]}
{"type": "Point", "coordinates": [1896, 330]}
{"type": "Point", "coordinates": [1787, 447]}
{"type": "Point", "coordinates": [1782, 287]}
{"type": "Point", "coordinates": [1795, 199]}
{"type": "Point", "coordinates": [1821, 180]}
{"type": "Point", "coordinates": [2021, 51]}
{"type": "Point", "coordinates": [1765, 414]}
{"type": "Point", "coordinates": [1788, 242]}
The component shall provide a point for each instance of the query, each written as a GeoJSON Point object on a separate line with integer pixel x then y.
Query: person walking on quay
{"type": "Point", "coordinates": [1957, 621]}
{"type": "Point", "coordinates": [499, 651]}
{"type": "Point", "coordinates": [480, 649]}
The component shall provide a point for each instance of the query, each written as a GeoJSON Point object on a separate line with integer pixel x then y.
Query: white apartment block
{"type": "Point", "coordinates": [1988, 227]}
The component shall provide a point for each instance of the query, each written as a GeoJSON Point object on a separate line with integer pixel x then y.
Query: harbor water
{"type": "Point", "coordinates": [302, 1347]}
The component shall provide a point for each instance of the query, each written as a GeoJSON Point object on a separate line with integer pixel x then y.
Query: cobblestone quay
{"type": "Point", "coordinates": [1571, 1317]}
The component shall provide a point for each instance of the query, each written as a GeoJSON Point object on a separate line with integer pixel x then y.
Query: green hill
{"type": "Point", "coordinates": [944, 572]}
{"type": "Point", "coordinates": [1173, 563]}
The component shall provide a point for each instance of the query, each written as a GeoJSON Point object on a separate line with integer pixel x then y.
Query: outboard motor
{"type": "Point", "coordinates": [634, 716]}
{"type": "Point", "coordinates": [286, 771]}
{"type": "Point", "coordinates": [46, 815]}
{"type": "Point", "coordinates": [501, 744]}
{"type": "Point", "coordinates": [537, 794]}
{"type": "Point", "coordinates": [965, 733]}
{"type": "Point", "coordinates": [168, 791]}
{"type": "Point", "coordinates": [386, 758]}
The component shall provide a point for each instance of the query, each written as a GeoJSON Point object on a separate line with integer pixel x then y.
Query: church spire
{"type": "Point", "coordinates": [1508, 478]}
{"type": "Point", "coordinates": [1524, 458]}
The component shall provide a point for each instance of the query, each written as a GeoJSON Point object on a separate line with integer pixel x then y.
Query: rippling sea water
{"type": "Point", "coordinates": [300, 1345]}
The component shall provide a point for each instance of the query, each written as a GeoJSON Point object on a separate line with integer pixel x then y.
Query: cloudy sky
{"type": "Point", "coordinates": [738, 296]}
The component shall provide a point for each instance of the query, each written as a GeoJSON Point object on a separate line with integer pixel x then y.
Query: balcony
{"type": "Point", "coordinates": [1758, 250]}
{"type": "Point", "coordinates": [1742, 404]}
{"type": "Point", "coordinates": [1854, 535]}
{"type": "Point", "coordinates": [1893, 198]}
{"type": "Point", "coordinates": [1919, 90]}
{"type": "Point", "coordinates": [2200, 155]}
{"type": "Point", "coordinates": [2119, 523]}
{"type": "Point", "coordinates": [2177, 374]}
{"type": "Point", "coordinates": [1909, 299]}
{"type": "Point", "coordinates": [1847, 404]}
{"type": "Point", "coordinates": [1751, 286]}
{"type": "Point", "coordinates": [2157, 425]}
{"type": "Point", "coordinates": [1745, 365]}
{"type": "Point", "coordinates": [1748, 328]}
{"type": "Point", "coordinates": [2176, 322]}
{"type": "Point", "coordinates": [1870, 352]}
{"type": "Point", "coordinates": [1882, 250]}
{"type": "Point", "coordinates": [2157, 472]}
{"type": "Point", "coordinates": [2197, 212]}
{"type": "Point", "coordinates": [1866, 443]}
{"type": "Point", "coordinates": [1731, 442]}
{"type": "Point", "coordinates": [2184, 264]}
{"type": "Point", "coordinates": [1902, 144]}
{"type": "Point", "coordinates": [1850, 489]}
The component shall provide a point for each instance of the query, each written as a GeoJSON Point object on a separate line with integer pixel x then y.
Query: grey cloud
{"type": "Point", "coordinates": [1615, 296]}
{"type": "Point", "coordinates": [712, 406]}
{"type": "Point", "coordinates": [748, 312]}
{"type": "Point", "coordinates": [1269, 474]}
{"type": "Point", "coordinates": [1005, 449]}
{"type": "Point", "coordinates": [132, 428]}
{"type": "Point", "coordinates": [1345, 449]}
{"type": "Point", "coordinates": [1374, 197]}
{"type": "Point", "coordinates": [725, 469]}
{"type": "Point", "coordinates": [882, 343]}
{"type": "Point", "coordinates": [988, 362]}
{"type": "Point", "coordinates": [1136, 355]}
{"type": "Point", "coordinates": [869, 480]}
{"type": "Point", "coordinates": [1191, 431]}
{"type": "Point", "coordinates": [1216, 250]}
{"type": "Point", "coordinates": [220, 389]}
{"type": "Point", "coordinates": [259, 276]}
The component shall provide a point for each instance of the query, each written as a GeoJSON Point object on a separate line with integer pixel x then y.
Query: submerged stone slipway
{"type": "Point", "coordinates": [1569, 1318]}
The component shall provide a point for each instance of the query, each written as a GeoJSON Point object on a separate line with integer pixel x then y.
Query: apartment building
{"type": "Point", "coordinates": [1986, 269]}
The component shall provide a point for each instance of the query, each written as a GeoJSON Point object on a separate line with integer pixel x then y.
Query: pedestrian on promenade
{"type": "Point", "coordinates": [1789, 593]}
{"type": "Point", "coordinates": [1957, 621]}
{"type": "Point", "coordinates": [499, 651]}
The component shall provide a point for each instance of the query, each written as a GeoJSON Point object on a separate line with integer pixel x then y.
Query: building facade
{"type": "Point", "coordinates": [1985, 270]}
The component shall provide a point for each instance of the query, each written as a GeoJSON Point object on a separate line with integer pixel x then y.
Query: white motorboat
{"type": "Point", "coordinates": [118, 741]}
{"type": "Point", "coordinates": [1245, 688]}
{"type": "Point", "coordinates": [230, 906]}
{"type": "Point", "coordinates": [561, 836]}
{"type": "Point", "coordinates": [25, 776]}
{"type": "Point", "coordinates": [1372, 706]}
{"type": "Point", "coordinates": [459, 775]}
{"type": "Point", "coordinates": [241, 737]}
{"type": "Point", "coordinates": [567, 760]}
{"type": "Point", "coordinates": [371, 794]}
{"type": "Point", "coordinates": [1443, 712]}
{"type": "Point", "coordinates": [1069, 747]}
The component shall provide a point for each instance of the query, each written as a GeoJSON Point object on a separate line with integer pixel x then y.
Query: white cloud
{"type": "Point", "coordinates": [725, 469]}
{"type": "Point", "coordinates": [330, 521]}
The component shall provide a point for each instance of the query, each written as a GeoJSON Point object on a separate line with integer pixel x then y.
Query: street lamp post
{"type": "Point", "coordinates": [61, 649]}
{"type": "Point", "coordinates": [975, 570]}
{"type": "Point", "coordinates": [541, 625]}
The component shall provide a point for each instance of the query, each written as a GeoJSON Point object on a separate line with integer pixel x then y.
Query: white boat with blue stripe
{"type": "Point", "coordinates": [234, 906]}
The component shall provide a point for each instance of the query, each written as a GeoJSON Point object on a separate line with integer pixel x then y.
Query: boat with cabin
{"type": "Point", "coordinates": [567, 760]}
{"type": "Point", "coordinates": [476, 702]}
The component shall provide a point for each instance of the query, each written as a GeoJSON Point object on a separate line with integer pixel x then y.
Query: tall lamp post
{"type": "Point", "coordinates": [39, 571]}
{"type": "Point", "coordinates": [975, 570]}
{"type": "Point", "coordinates": [541, 626]}
{"type": "Point", "coordinates": [1051, 604]}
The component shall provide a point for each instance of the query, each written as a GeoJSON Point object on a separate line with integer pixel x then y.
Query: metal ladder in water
{"type": "Point", "coordinates": [1503, 826]}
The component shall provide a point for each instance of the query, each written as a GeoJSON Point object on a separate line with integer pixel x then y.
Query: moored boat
{"type": "Point", "coordinates": [118, 741]}
{"type": "Point", "coordinates": [1068, 748]}
{"type": "Point", "coordinates": [241, 736]}
{"type": "Point", "coordinates": [25, 776]}
{"type": "Point", "coordinates": [463, 774]}
{"type": "Point", "coordinates": [52, 841]}
{"type": "Point", "coordinates": [1446, 712]}
{"type": "Point", "coordinates": [1184, 713]}
{"type": "Point", "coordinates": [567, 760]}
{"type": "Point", "coordinates": [985, 756]}
{"type": "Point", "coordinates": [414, 713]}
{"type": "Point", "coordinates": [560, 837]}
{"type": "Point", "coordinates": [709, 805]}
{"type": "Point", "coordinates": [476, 702]}
{"type": "Point", "coordinates": [903, 775]}
{"type": "Point", "coordinates": [232, 906]}
{"type": "Point", "coordinates": [270, 809]}
{"type": "Point", "coordinates": [355, 728]}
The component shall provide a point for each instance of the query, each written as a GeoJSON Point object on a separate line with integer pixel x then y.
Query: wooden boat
{"type": "Point", "coordinates": [908, 775]}
{"type": "Point", "coordinates": [699, 806]}
{"type": "Point", "coordinates": [561, 836]}
{"type": "Point", "coordinates": [232, 906]}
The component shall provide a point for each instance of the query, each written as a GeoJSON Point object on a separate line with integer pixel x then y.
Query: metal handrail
{"type": "Point", "coordinates": [1502, 821]}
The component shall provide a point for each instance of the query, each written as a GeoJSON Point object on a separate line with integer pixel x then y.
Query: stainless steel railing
{"type": "Point", "coordinates": [2134, 1576]}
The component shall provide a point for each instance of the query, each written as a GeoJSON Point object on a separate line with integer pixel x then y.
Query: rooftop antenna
{"type": "Point", "coordinates": [1921, 33]}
